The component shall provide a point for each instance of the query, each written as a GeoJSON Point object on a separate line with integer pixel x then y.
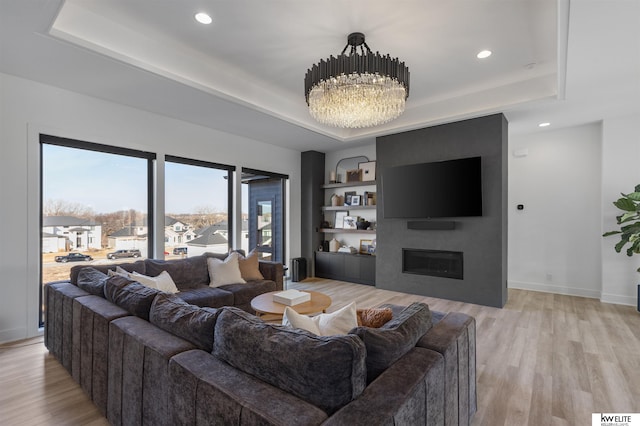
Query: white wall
{"type": "Point", "coordinates": [28, 108]}
{"type": "Point", "coordinates": [554, 242]}
{"type": "Point", "coordinates": [621, 173]}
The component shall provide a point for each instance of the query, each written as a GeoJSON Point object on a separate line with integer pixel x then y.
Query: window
{"type": "Point", "coordinates": [198, 207]}
{"type": "Point", "coordinates": [95, 199]}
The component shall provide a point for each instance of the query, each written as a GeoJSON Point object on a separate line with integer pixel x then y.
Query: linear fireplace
{"type": "Point", "coordinates": [435, 263]}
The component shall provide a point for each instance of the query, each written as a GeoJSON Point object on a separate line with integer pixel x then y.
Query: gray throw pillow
{"type": "Point", "coordinates": [92, 281]}
{"type": "Point", "coordinates": [130, 295]}
{"type": "Point", "coordinates": [192, 323]}
{"type": "Point", "coordinates": [326, 371]}
{"type": "Point", "coordinates": [186, 273]}
{"type": "Point", "coordinates": [387, 344]}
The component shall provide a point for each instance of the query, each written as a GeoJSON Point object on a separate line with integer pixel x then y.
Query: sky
{"type": "Point", "coordinates": [109, 182]}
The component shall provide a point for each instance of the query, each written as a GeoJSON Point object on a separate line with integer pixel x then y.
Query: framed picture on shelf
{"type": "Point", "coordinates": [347, 197]}
{"type": "Point", "coordinates": [354, 175]}
{"type": "Point", "coordinates": [365, 246]}
{"type": "Point", "coordinates": [368, 170]}
{"type": "Point", "coordinates": [355, 200]}
{"type": "Point", "coordinates": [349, 222]}
{"type": "Point", "coordinates": [340, 215]}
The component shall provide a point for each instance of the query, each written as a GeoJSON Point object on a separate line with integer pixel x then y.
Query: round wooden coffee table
{"type": "Point", "coordinates": [268, 310]}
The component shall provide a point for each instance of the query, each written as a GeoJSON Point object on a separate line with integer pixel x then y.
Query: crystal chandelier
{"type": "Point", "coordinates": [357, 89]}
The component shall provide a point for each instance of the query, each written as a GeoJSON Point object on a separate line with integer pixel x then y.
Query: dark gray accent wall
{"type": "Point", "coordinates": [483, 240]}
{"type": "Point", "coordinates": [311, 201]}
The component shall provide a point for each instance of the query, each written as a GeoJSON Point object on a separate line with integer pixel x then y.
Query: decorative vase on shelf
{"type": "Point", "coordinates": [363, 224]}
{"type": "Point", "coordinates": [334, 246]}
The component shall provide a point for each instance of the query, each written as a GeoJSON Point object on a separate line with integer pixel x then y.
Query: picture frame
{"type": "Point", "coordinates": [349, 222]}
{"type": "Point", "coordinates": [354, 175]}
{"type": "Point", "coordinates": [347, 197]}
{"type": "Point", "coordinates": [340, 215]}
{"type": "Point", "coordinates": [368, 171]}
{"type": "Point", "coordinates": [365, 246]}
{"type": "Point", "coordinates": [355, 200]}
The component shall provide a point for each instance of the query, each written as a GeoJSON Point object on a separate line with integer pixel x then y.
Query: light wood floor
{"type": "Point", "coordinates": [544, 359]}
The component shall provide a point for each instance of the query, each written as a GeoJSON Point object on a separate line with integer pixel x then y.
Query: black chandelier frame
{"type": "Point", "coordinates": [354, 63]}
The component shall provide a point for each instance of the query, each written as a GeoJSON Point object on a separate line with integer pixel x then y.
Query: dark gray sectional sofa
{"type": "Point", "coordinates": [148, 357]}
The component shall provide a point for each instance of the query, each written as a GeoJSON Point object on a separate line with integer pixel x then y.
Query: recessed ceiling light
{"type": "Point", "coordinates": [545, 124]}
{"type": "Point", "coordinates": [203, 18]}
{"type": "Point", "coordinates": [483, 54]}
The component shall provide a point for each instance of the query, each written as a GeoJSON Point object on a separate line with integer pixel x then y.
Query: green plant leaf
{"type": "Point", "coordinates": [625, 204]}
{"type": "Point", "coordinates": [635, 196]}
{"type": "Point", "coordinates": [628, 216]}
{"type": "Point", "coordinates": [609, 233]}
{"type": "Point", "coordinates": [632, 228]}
{"type": "Point", "coordinates": [637, 189]}
{"type": "Point", "coordinates": [624, 239]}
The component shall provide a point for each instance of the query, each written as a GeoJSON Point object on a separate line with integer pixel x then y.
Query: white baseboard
{"type": "Point", "coordinates": [12, 335]}
{"type": "Point", "coordinates": [557, 289]}
{"type": "Point", "coordinates": [619, 300]}
{"type": "Point", "coordinates": [573, 291]}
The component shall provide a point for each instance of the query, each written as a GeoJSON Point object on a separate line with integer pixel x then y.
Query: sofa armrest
{"type": "Point", "coordinates": [273, 271]}
{"type": "Point", "coordinates": [455, 338]}
{"type": "Point", "coordinates": [411, 391]}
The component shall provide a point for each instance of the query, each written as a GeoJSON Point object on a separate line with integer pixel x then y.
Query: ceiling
{"type": "Point", "coordinates": [566, 62]}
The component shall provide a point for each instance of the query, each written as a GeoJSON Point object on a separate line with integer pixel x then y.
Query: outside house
{"type": "Point", "coordinates": [209, 242]}
{"type": "Point", "coordinates": [67, 233]}
{"type": "Point", "coordinates": [176, 232]}
{"type": "Point", "coordinates": [208, 238]}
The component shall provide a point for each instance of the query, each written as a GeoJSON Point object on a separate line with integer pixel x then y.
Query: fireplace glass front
{"type": "Point", "coordinates": [435, 263]}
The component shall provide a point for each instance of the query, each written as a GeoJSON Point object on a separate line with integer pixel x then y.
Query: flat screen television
{"type": "Point", "coordinates": [450, 188]}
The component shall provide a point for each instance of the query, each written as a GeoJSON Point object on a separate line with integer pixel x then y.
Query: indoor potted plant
{"type": "Point", "coordinates": [629, 222]}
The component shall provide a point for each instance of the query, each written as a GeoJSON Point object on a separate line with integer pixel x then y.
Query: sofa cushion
{"type": "Point", "coordinates": [326, 371]}
{"type": "Point", "coordinates": [137, 266]}
{"type": "Point", "coordinates": [186, 273]}
{"type": "Point", "coordinates": [250, 267]}
{"type": "Point", "coordinates": [204, 295]}
{"type": "Point", "coordinates": [374, 317]}
{"type": "Point", "coordinates": [162, 282]}
{"type": "Point", "coordinates": [226, 271]}
{"type": "Point", "coordinates": [387, 344]}
{"type": "Point", "coordinates": [192, 323]}
{"type": "Point", "coordinates": [132, 296]}
{"type": "Point", "coordinates": [337, 322]}
{"type": "Point", "coordinates": [243, 293]}
{"type": "Point", "coordinates": [92, 281]}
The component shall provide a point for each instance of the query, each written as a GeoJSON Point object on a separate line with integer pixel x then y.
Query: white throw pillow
{"type": "Point", "coordinates": [338, 322]}
{"type": "Point", "coordinates": [296, 320]}
{"type": "Point", "coordinates": [118, 272]}
{"type": "Point", "coordinates": [162, 282]}
{"type": "Point", "coordinates": [224, 272]}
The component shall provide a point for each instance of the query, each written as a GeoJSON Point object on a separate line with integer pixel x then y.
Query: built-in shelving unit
{"type": "Point", "coordinates": [359, 268]}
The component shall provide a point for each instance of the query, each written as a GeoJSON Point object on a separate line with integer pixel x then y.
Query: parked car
{"type": "Point", "coordinates": [180, 250]}
{"type": "Point", "coordinates": [73, 257]}
{"type": "Point", "coordinates": [124, 253]}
